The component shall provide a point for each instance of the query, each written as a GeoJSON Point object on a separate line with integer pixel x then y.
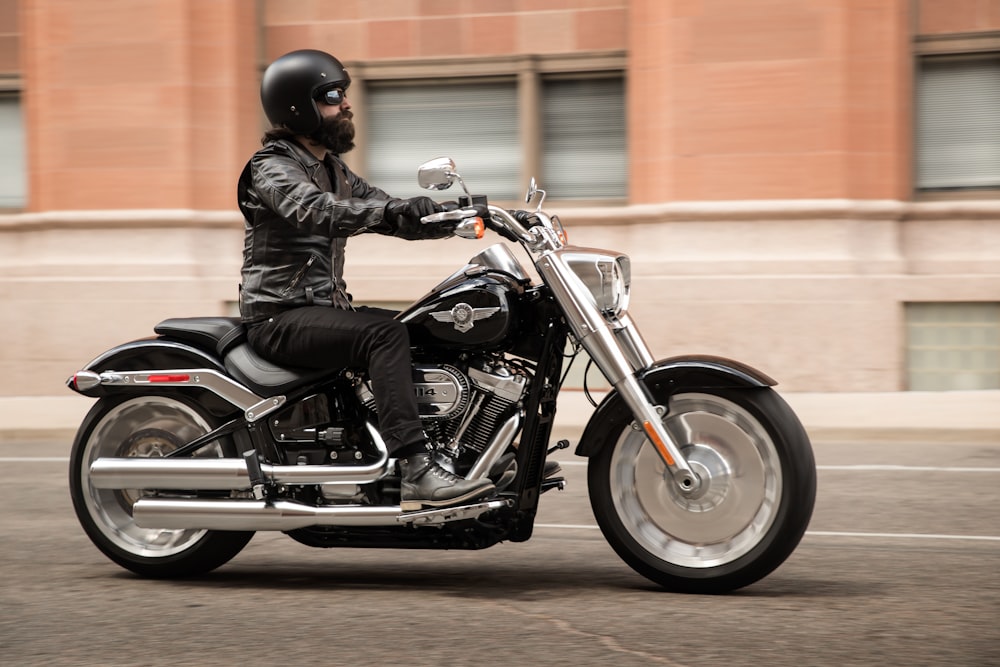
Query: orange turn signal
{"type": "Point", "coordinates": [480, 227]}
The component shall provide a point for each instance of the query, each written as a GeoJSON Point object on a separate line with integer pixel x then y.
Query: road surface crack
{"type": "Point", "coordinates": [608, 642]}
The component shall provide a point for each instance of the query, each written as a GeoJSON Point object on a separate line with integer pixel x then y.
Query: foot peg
{"type": "Point", "coordinates": [562, 444]}
{"type": "Point", "coordinates": [448, 514]}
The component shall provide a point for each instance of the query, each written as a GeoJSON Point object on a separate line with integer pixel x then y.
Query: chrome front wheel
{"type": "Point", "coordinates": [754, 502]}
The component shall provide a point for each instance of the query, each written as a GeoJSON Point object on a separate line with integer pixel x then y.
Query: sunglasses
{"type": "Point", "coordinates": [333, 96]}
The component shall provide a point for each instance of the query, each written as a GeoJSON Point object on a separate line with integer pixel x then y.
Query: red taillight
{"type": "Point", "coordinates": [85, 380]}
{"type": "Point", "coordinates": [169, 378]}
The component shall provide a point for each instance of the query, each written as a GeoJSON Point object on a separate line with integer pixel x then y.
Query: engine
{"type": "Point", "coordinates": [462, 411]}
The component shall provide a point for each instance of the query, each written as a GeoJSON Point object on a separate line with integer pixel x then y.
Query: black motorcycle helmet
{"type": "Point", "coordinates": [293, 82]}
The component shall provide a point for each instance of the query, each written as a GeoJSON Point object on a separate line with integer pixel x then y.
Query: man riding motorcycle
{"type": "Point", "coordinates": [301, 202]}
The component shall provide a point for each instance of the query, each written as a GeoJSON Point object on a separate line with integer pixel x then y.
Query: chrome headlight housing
{"type": "Point", "coordinates": [607, 276]}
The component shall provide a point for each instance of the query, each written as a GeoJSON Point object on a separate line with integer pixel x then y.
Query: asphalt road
{"type": "Point", "coordinates": [901, 566]}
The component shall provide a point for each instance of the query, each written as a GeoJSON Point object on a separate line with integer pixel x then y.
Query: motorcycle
{"type": "Point", "coordinates": [700, 476]}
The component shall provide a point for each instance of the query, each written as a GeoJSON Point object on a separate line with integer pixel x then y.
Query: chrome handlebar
{"type": "Point", "coordinates": [533, 238]}
{"type": "Point", "coordinates": [512, 223]}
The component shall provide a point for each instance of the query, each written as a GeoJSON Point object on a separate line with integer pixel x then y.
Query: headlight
{"type": "Point", "coordinates": [607, 276]}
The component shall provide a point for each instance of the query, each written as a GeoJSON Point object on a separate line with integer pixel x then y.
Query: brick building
{"type": "Point", "coordinates": [810, 186]}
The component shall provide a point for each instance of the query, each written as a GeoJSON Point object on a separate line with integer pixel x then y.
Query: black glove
{"type": "Point", "coordinates": [410, 210]}
{"type": "Point", "coordinates": [526, 218]}
{"type": "Point", "coordinates": [404, 217]}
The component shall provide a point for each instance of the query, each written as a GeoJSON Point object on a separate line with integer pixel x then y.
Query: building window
{"type": "Point", "coordinates": [13, 170]}
{"type": "Point", "coordinates": [567, 129]}
{"type": "Point", "coordinates": [952, 346]}
{"type": "Point", "coordinates": [958, 122]}
{"type": "Point", "coordinates": [583, 137]}
{"type": "Point", "coordinates": [475, 124]}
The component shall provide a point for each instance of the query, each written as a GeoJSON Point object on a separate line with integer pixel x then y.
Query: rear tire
{"type": "Point", "coordinates": [146, 425]}
{"type": "Point", "coordinates": [757, 495]}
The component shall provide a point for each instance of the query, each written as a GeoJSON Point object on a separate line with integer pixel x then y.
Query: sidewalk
{"type": "Point", "coordinates": [959, 416]}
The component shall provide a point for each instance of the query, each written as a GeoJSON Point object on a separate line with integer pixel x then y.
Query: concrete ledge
{"type": "Point", "coordinates": [780, 209]}
{"type": "Point", "coordinates": [953, 416]}
{"type": "Point", "coordinates": [956, 416]}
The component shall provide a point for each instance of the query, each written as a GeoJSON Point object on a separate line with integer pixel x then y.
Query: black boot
{"type": "Point", "coordinates": [424, 483]}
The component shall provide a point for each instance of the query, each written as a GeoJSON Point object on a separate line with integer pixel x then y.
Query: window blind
{"type": "Point", "coordinates": [583, 143]}
{"type": "Point", "coordinates": [475, 124]}
{"type": "Point", "coordinates": [13, 180]}
{"type": "Point", "coordinates": [958, 123]}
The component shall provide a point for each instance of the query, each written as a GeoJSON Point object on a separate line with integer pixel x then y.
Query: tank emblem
{"type": "Point", "coordinates": [464, 316]}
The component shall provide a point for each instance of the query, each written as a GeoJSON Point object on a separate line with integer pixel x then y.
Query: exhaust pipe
{"type": "Point", "coordinates": [227, 474]}
{"type": "Point", "coordinates": [280, 515]}
{"type": "Point", "coordinates": [285, 515]}
{"type": "Point", "coordinates": [504, 436]}
{"type": "Point", "coordinates": [220, 474]}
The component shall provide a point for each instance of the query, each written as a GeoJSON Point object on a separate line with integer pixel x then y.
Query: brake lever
{"type": "Point", "coordinates": [449, 216]}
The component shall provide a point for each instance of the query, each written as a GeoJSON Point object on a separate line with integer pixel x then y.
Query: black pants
{"type": "Point", "coordinates": [323, 337]}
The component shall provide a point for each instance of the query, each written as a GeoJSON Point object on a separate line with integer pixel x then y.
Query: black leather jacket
{"type": "Point", "coordinates": [299, 212]}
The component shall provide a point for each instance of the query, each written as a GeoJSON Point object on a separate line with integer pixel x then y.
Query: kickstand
{"type": "Point", "coordinates": [258, 483]}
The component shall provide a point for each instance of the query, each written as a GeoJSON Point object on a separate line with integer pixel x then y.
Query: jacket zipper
{"type": "Point", "coordinates": [299, 275]}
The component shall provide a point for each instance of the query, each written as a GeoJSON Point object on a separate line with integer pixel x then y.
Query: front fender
{"type": "Point", "coordinates": [666, 377]}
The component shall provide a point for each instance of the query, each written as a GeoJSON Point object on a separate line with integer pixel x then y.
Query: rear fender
{"type": "Point", "coordinates": [662, 379]}
{"type": "Point", "coordinates": [152, 354]}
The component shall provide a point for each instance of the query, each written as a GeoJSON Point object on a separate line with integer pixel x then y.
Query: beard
{"type": "Point", "coordinates": [336, 134]}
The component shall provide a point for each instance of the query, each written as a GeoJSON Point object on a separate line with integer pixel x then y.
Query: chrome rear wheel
{"type": "Point", "coordinates": [144, 426]}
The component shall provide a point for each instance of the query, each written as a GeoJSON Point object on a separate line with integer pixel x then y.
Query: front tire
{"type": "Point", "coordinates": [756, 498]}
{"type": "Point", "coordinates": [146, 425]}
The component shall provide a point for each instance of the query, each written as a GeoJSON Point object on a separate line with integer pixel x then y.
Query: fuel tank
{"type": "Point", "coordinates": [473, 309]}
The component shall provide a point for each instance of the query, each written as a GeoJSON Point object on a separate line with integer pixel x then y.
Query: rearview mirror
{"type": "Point", "coordinates": [437, 174]}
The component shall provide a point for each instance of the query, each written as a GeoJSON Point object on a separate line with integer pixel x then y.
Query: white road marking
{"type": "Point", "coordinates": [857, 468]}
{"type": "Point", "coordinates": [903, 536]}
{"type": "Point", "coordinates": [43, 459]}
{"type": "Point", "coordinates": [868, 467]}
{"type": "Point", "coordinates": [897, 468]}
{"type": "Point", "coordinates": [850, 468]}
{"type": "Point", "coordinates": [816, 533]}
{"type": "Point", "coordinates": [34, 459]}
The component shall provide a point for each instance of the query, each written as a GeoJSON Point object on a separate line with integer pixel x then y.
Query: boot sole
{"type": "Point", "coordinates": [478, 494]}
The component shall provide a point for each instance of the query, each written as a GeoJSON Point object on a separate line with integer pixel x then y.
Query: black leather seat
{"type": "Point", "coordinates": [215, 334]}
{"type": "Point", "coordinates": [226, 337]}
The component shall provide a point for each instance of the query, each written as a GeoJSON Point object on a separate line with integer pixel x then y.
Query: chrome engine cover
{"type": "Point", "coordinates": [442, 391]}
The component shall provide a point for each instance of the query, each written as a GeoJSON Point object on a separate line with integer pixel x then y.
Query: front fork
{"type": "Point", "coordinates": [620, 352]}
{"type": "Point", "coordinates": [626, 342]}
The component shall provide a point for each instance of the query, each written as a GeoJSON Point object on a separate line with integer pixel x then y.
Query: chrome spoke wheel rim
{"type": "Point", "coordinates": [142, 427]}
{"type": "Point", "coordinates": [738, 499]}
